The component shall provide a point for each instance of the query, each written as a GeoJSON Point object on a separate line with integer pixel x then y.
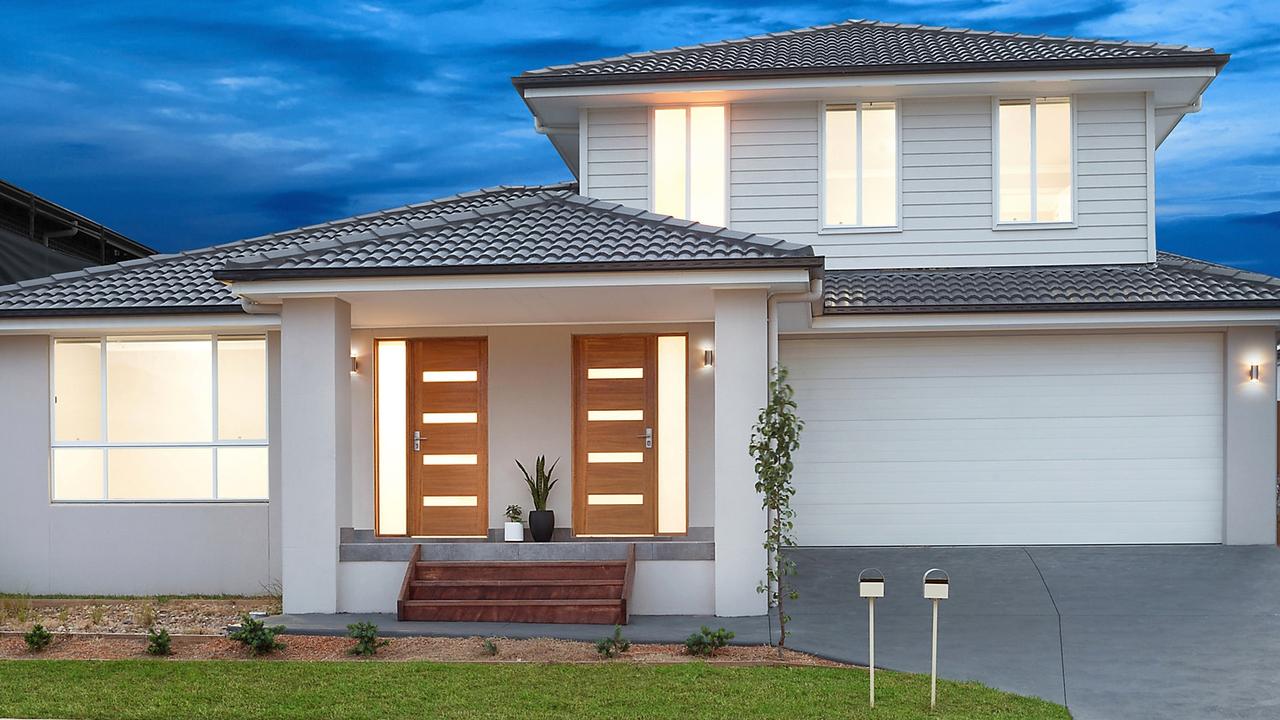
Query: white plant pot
{"type": "Point", "coordinates": [513, 532]}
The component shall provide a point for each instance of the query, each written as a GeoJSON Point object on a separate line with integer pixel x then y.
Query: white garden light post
{"type": "Point", "coordinates": [937, 586]}
{"type": "Point", "coordinates": [871, 586]}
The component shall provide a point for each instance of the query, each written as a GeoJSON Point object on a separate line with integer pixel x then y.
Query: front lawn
{"type": "Point", "coordinates": [129, 689]}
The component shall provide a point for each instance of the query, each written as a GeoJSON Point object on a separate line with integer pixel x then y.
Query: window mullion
{"type": "Point", "coordinates": [213, 431]}
{"type": "Point", "coordinates": [857, 163]}
{"type": "Point", "coordinates": [1035, 171]}
{"type": "Point", "coordinates": [102, 379]}
{"type": "Point", "coordinates": [688, 163]}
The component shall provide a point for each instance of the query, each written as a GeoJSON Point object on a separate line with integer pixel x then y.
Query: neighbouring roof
{"type": "Point", "coordinates": [1172, 282]}
{"type": "Point", "coordinates": [184, 282]}
{"type": "Point", "coordinates": [867, 46]}
{"type": "Point", "coordinates": [551, 231]}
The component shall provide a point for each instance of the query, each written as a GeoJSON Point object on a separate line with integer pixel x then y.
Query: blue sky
{"type": "Point", "coordinates": [188, 124]}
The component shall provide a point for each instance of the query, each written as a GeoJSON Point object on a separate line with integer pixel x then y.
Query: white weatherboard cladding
{"type": "Point", "coordinates": [1009, 440]}
{"type": "Point", "coordinates": [617, 156]}
{"type": "Point", "coordinates": [946, 171]}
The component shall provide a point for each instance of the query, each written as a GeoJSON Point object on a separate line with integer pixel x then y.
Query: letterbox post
{"type": "Point", "coordinates": [936, 588]}
{"type": "Point", "coordinates": [871, 586]}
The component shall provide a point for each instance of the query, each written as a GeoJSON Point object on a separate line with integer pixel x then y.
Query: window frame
{"type": "Point", "coordinates": [996, 222]}
{"type": "Point", "coordinates": [106, 444]}
{"type": "Point", "coordinates": [823, 227]}
{"type": "Point", "coordinates": [688, 156]}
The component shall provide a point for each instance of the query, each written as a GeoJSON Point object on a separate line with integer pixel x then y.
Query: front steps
{"type": "Point", "coordinates": [575, 591]}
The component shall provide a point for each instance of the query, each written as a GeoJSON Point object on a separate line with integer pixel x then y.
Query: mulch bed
{"type": "Point", "coordinates": [327, 648]}
{"type": "Point", "coordinates": [177, 615]}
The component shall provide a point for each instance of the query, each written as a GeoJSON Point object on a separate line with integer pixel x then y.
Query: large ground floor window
{"type": "Point", "coordinates": [174, 418]}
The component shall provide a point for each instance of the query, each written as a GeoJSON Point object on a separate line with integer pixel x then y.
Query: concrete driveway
{"type": "Point", "coordinates": [1113, 632]}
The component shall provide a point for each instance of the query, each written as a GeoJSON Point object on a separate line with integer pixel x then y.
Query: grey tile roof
{"type": "Point", "coordinates": [184, 282]}
{"type": "Point", "coordinates": [548, 231]}
{"type": "Point", "coordinates": [868, 46]}
{"type": "Point", "coordinates": [1172, 282]}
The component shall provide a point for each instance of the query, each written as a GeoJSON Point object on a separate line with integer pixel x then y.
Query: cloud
{"type": "Point", "coordinates": [260, 83]}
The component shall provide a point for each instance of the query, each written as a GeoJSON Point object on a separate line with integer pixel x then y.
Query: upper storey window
{"type": "Point", "coordinates": [860, 165]}
{"type": "Point", "coordinates": [1034, 150]}
{"type": "Point", "coordinates": [689, 163]}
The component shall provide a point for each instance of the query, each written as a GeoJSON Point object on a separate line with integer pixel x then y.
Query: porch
{"type": "Point", "coordinates": [345, 544]}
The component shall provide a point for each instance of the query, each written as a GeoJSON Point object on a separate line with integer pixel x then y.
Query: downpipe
{"type": "Point", "coordinates": [813, 295]}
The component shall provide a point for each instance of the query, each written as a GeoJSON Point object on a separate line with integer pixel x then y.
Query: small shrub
{"type": "Point", "coordinates": [706, 642]}
{"type": "Point", "coordinates": [366, 637]}
{"type": "Point", "coordinates": [64, 616]}
{"type": "Point", "coordinates": [158, 641]}
{"type": "Point", "coordinates": [37, 638]}
{"type": "Point", "coordinates": [18, 608]}
{"type": "Point", "coordinates": [255, 635]}
{"type": "Point", "coordinates": [614, 646]}
{"type": "Point", "coordinates": [145, 616]}
{"type": "Point", "coordinates": [96, 613]}
{"type": "Point", "coordinates": [490, 647]}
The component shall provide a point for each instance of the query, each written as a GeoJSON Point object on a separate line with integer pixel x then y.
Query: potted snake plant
{"type": "Point", "coordinates": [542, 522]}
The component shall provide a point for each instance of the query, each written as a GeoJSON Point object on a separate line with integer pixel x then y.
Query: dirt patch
{"type": "Point", "coordinates": [177, 615]}
{"type": "Point", "coordinates": [324, 648]}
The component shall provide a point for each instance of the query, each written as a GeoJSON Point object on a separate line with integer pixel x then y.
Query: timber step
{"type": "Point", "coordinates": [573, 591]}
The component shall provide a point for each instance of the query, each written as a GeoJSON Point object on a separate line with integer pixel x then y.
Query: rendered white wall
{"type": "Point", "coordinates": [315, 391]}
{"type": "Point", "coordinates": [741, 371]}
{"type": "Point", "coordinates": [1249, 509]}
{"type": "Point", "coordinates": [530, 413]}
{"type": "Point", "coordinates": [133, 549]}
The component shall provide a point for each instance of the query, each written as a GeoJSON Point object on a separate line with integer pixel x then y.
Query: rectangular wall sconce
{"type": "Point", "coordinates": [708, 358]}
{"type": "Point", "coordinates": [355, 365]}
{"type": "Point", "coordinates": [1254, 373]}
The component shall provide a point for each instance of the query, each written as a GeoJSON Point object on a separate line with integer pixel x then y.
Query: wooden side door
{"type": "Point", "coordinates": [615, 429]}
{"type": "Point", "coordinates": [449, 437]}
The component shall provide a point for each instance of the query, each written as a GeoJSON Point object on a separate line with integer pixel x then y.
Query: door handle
{"type": "Point", "coordinates": [648, 438]}
{"type": "Point", "coordinates": [417, 440]}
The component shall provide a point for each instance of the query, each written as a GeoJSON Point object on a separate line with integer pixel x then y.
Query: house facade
{"type": "Point", "coordinates": [947, 237]}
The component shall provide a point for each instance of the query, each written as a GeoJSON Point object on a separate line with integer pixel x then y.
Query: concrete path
{"type": "Point", "coordinates": [1117, 633]}
{"type": "Point", "coordinates": [1114, 632]}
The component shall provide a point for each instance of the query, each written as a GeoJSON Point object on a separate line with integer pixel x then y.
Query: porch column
{"type": "Point", "coordinates": [1249, 492]}
{"type": "Point", "coordinates": [741, 375]}
{"type": "Point", "coordinates": [315, 410]}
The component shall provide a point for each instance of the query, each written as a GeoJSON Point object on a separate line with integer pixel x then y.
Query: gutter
{"type": "Point", "coordinates": [814, 295]}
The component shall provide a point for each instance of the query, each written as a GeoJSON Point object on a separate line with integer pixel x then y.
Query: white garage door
{"type": "Point", "coordinates": [1009, 440]}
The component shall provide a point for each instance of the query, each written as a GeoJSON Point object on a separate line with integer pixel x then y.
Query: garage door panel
{"type": "Point", "coordinates": [995, 440]}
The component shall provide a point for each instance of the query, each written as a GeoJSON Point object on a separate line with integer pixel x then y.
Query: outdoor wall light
{"type": "Point", "coordinates": [708, 358]}
{"type": "Point", "coordinates": [355, 365]}
{"type": "Point", "coordinates": [1254, 373]}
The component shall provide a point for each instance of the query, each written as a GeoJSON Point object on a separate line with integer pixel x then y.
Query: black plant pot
{"type": "Point", "coordinates": [541, 524]}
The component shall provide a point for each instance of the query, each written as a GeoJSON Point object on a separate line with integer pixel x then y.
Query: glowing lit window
{"type": "Point", "coordinates": [392, 374]}
{"type": "Point", "coordinates": [1034, 147]}
{"type": "Point", "coordinates": [690, 166]}
{"type": "Point", "coordinates": [614, 373]}
{"type": "Point", "coordinates": [458, 418]}
{"type": "Point", "coordinates": [860, 165]}
{"type": "Point", "coordinates": [673, 368]}
{"type": "Point", "coordinates": [160, 418]}
{"type": "Point", "coordinates": [615, 499]}
{"type": "Point", "coordinates": [614, 415]}
{"type": "Point", "coordinates": [440, 376]}
{"type": "Point", "coordinates": [449, 501]}
{"type": "Point", "coordinates": [450, 459]}
{"type": "Point", "coordinates": [615, 457]}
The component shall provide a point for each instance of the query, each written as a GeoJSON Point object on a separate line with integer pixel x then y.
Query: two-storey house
{"type": "Point", "coordinates": [946, 236]}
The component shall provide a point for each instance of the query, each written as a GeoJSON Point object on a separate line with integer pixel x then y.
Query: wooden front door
{"type": "Point", "coordinates": [448, 437]}
{"type": "Point", "coordinates": [615, 462]}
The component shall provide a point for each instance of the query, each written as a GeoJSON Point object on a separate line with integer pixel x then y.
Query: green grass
{"type": "Point", "coordinates": [141, 689]}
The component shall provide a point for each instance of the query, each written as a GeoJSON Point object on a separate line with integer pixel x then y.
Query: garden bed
{"type": "Point", "coordinates": [436, 649]}
{"type": "Point", "coordinates": [187, 615]}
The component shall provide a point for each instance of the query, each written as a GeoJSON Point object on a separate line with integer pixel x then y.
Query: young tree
{"type": "Point", "coordinates": [774, 438]}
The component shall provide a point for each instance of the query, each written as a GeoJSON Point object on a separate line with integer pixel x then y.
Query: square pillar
{"type": "Point", "coordinates": [1249, 450]}
{"type": "Point", "coordinates": [315, 419]}
{"type": "Point", "coordinates": [741, 379]}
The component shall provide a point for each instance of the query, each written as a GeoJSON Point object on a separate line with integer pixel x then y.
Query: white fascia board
{"type": "Point", "coordinates": [1004, 321]}
{"type": "Point", "coordinates": [901, 80]}
{"type": "Point", "coordinates": [781, 279]}
{"type": "Point", "coordinates": [140, 324]}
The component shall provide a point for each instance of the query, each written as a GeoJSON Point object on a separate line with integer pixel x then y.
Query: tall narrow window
{"type": "Point", "coordinates": [1034, 146]}
{"type": "Point", "coordinates": [689, 163]}
{"type": "Point", "coordinates": [860, 158]}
